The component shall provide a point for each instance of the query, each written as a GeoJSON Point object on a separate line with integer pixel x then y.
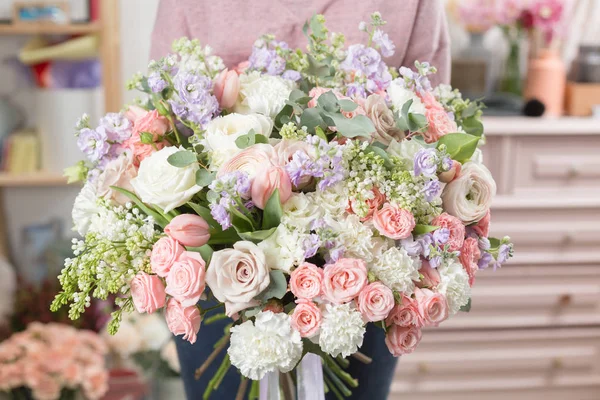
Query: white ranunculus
{"type": "Point", "coordinates": [85, 208]}
{"type": "Point", "coordinates": [399, 95]}
{"type": "Point", "coordinates": [405, 150]}
{"type": "Point", "coordinates": [469, 197]}
{"type": "Point", "coordinates": [222, 132]}
{"type": "Point", "coordinates": [164, 185]}
{"type": "Point", "coordinates": [283, 249]}
{"type": "Point", "coordinates": [300, 212]}
{"type": "Point", "coordinates": [263, 94]}
{"type": "Point", "coordinates": [454, 284]}
{"type": "Point", "coordinates": [170, 356]}
{"type": "Point", "coordinates": [342, 330]}
{"type": "Point", "coordinates": [269, 344]}
{"type": "Point", "coordinates": [396, 269]}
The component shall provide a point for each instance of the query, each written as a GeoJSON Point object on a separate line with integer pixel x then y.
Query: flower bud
{"type": "Point", "coordinates": [189, 230]}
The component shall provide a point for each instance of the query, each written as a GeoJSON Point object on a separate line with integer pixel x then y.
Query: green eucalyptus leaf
{"type": "Point", "coordinates": [471, 110]}
{"type": "Point", "coordinates": [246, 140]}
{"type": "Point", "coordinates": [283, 116]}
{"type": "Point", "coordinates": [257, 236]}
{"type": "Point", "coordinates": [158, 217]}
{"type": "Point", "coordinates": [348, 105]}
{"type": "Point", "coordinates": [317, 68]}
{"type": "Point", "coordinates": [261, 139]}
{"type": "Point", "coordinates": [277, 286]}
{"type": "Point", "coordinates": [460, 146]}
{"type": "Point", "coordinates": [317, 27]}
{"type": "Point", "coordinates": [416, 122]}
{"type": "Point", "coordinates": [472, 126]}
{"type": "Point", "coordinates": [329, 102]}
{"type": "Point", "coordinates": [198, 148]}
{"type": "Point", "coordinates": [299, 97]}
{"type": "Point", "coordinates": [311, 118]}
{"type": "Point", "coordinates": [182, 158]}
{"type": "Point", "coordinates": [423, 229]}
{"type": "Point", "coordinates": [273, 212]}
{"type": "Point", "coordinates": [360, 125]}
{"type": "Point", "coordinates": [406, 109]}
{"type": "Point", "coordinates": [204, 177]}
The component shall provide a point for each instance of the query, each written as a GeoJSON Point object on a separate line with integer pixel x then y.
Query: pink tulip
{"type": "Point", "coordinates": [227, 87]}
{"type": "Point", "coordinates": [189, 230]}
{"type": "Point", "coordinates": [266, 181]}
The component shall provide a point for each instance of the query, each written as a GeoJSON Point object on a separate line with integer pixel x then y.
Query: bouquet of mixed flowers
{"type": "Point", "coordinates": [313, 192]}
{"type": "Point", "coordinates": [53, 361]}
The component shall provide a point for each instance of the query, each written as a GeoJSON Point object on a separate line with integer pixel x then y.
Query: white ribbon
{"type": "Point", "coordinates": [310, 378]}
{"type": "Point", "coordinates": [269, 386]}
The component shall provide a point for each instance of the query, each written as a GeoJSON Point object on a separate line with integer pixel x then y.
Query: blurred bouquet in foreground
{"type": "Point", "coordinates": [313, 192]}
{"type": "Point", "coordinates": [53, 361]}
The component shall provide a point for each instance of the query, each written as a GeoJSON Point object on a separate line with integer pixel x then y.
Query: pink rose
{"type": "Point", "coordinates": [456, 228]}
{"type": "Point", "coordinates": [306, 281]}
{"type": "Point", "coordinates": [145, 122]}
{"type": "Point", "coordinates": [402, 339]}
{"type": "Point", "coordinates": [164, 253]}
{"type": "Point", "coordinates": [372, 204]}
{"type": "Point", "coordinates": [148, 292]}
{"type": "Point", "coordinates": [72, 375]}
{"type": "Point", "coordinates": [431, 276]}
{"type": "Point", "coordinates": [118, 172]}
{"type": "Point", "coordinates": [227, 87]}
{"type": "Point", "coordinates": [189, 230]}
{"type": "Point", "coordinates": [375, 302]}
{"type": "Point", "coordinates": [140, 150]}
{"type": "Point", "coordinates": [438, 120]}
{"type": "Point", "coordinates": [432, 306]}
{"type": "Point", "coordinates": [405, 314]}
{"type": "Point", "coordinates": [306, 318]}
{"type": "Point", "coordinates": [394, 222]}
{"type": "Point", "coordinates": [267, 181]}
{"type": "Point", "coordinates": [185, 281]}
{"type": "Point", "coordinates": [344, 280]}
{"type": "Point", "coordinates": [250, 160]}
{"type": "Point", "coordinates": [183, 320]}
{"type": "Point", "coordinates": [469, 256]}
{"type": "Point", "coordinates": [482, 228]}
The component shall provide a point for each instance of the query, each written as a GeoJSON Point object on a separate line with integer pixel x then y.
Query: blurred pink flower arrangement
{"type": "Point", "coordinates": [53, 361]}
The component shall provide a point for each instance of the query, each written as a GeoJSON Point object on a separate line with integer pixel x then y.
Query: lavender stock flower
{"type": "Point", "coordinates": [432, 189]}
{"type": "Point", "coordinates": [441, 236]}
{"type": "Point", "coordinates": [425, 162]}
{"type": "Point", "coordinates": [116, 126]}
{"type": "Point", "coordinates": [363, 60]}
{"type": "Point", "coordinates": [485, 260]}
{"type": "Point", "coordinates": [292, 75]}
{"type": "Point", "coordinates": [156, 82]}
{"type": "Point", "coordinates": [356, 90]}
{"type": "Point", "coordinates": [311, 245]}
{"type": "Point", "coordinates": [220, 214]}
{"type": "Point", "coordinates": [94, 143]}
{"type": "Point", "coordinates": [386, 46]}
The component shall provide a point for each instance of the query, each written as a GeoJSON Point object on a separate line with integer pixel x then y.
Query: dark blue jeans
{"type": "Point", "coordinates": [375, 379]}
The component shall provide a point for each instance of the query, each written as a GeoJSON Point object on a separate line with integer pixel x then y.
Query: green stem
{"type": "Point", "coordinates": [329, 362]}
{"type": "Point", "coordinates": [215, 318]}
{"type": "Point", "coordinates": [337, 381]}
{"type": "Point", "coordinates": [254, 391]}
{"type": "Point", "coordinates": [218, 378]}
{"type": "Point", "coordinates": [332, 387]}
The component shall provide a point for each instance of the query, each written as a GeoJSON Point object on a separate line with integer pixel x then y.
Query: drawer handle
{"type": "Point", "coordinates": [565, 300]}
{"type": "Point", "coordinates": [423, 368]}
{"type": "Point", "coordinates": [557, 363]}
{"type": "Point", "coordinates": [573, 171]}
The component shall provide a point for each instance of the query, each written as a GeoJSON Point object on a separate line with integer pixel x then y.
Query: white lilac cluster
{"type": "Point", "coordinates": [342, 330]}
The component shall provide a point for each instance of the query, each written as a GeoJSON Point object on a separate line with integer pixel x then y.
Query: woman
{"type": "Point", "coordinates": [419, 30]}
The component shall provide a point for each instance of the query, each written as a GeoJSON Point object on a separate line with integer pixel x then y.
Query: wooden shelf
{"type": "Point", "coordinates": [49, 28]}
{"type": "Point", "coordinates": [32, 180]}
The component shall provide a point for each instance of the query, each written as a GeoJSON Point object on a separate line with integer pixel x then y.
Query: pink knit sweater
{"type": "Point", "coordinates": [417, 27]}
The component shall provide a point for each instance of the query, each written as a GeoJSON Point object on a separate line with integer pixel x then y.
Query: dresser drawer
{"type": "Point", "coordinates": [532, 296]}
{"type": "Point", "coordinates": [451, 364]}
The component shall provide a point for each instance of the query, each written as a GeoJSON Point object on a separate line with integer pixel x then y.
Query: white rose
{"type": "Point", "coordinates": [399, 95]}
{"type": "Point", "coordinates": [236, 276]}
{"type": "Point", "coordinates": [283, 249]}
{"type": "Point", "coordinates": [119, 172]}
{"type": "Point", "coordinates": [300, 212]}
{"type": "Point", "coordinates": [222, 132]}
{"type": "Point", "coordinates": [469, 197]}
{"type": "Point", "coordinates": [85, 208]}
{"type": "Point", "coordinates": [263, 94]}
{"type": "Point", "coordinates": [164, 185]}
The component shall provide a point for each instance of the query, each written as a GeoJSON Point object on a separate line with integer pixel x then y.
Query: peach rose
{"type": "Point", "coordinates": [306, 281]}
{"type": "Point", "coordinates": [139, 150]}
{"type": "Point", "coordinates": [226, 88]}
{"type": "Point", "coordinates": [148, 292]}
{"type": "Point", "coordinates": [151, 122]}
{"type": "Point", "coordinates": [432, 306]}
{"type": "Point", "coordinates": [375, 302]}
{"type": "Point", "coordinates": [185, 281]}
{"type": "Point", "coordinates": [439, 122]}
{"type": "Point", "coordinates": [306, 318]}
{"type": "Point", "coordinates": [344, 280]}
{"type": "Point", "coordinates": [118, 172]}
{"type": "Point", "coordinates": [250, 160]}
{"type": "Point", "coordinates": [431, 276]}
{"type": "Point", "coordinates": [164, 253]}
{"type": "Point", "coordinates": [469, 256]}
{"type": "Point", "coordinates": [183, 320]}
{"type": "Point", "coordinates": [267, 181]}
{"type": "Point", "coordinates": [482, 228]}
{"type": "Point", "coordinates": [372, 204]}
{"type": "Point", "coordinates": [394, 222]}
{"type": "Point", "coordinates": [402, 339]}
{"type": "Point", "coordinates": [189, 230]}
{"type": "Point", "coordinates": [456, 228]}
{"type": "Point", "coordinates": [405, 314]}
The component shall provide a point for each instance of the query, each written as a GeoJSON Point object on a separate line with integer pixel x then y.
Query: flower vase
{"type": "Point", "coordinates": [547, 81]}
{"type": "Point", "coordinates": [475, 63]}
{"type": "Point", "coordinates": [511, 81]}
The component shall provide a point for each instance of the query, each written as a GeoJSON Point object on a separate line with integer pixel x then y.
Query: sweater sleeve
{"type": "Point", "coordinates": [430, 41]}
{"type": "Point", "coordinates": [170, 24]}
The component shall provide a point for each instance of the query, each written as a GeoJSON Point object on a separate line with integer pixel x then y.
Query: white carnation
{"type": "Point", "coordinates": [332, 201]}
{"type": "Point", "coordinates": [399, 95]}
{"type": "Point", "coordinates": [263, 94]}
{"type": "Point", "coordinates": [354, 236]}
{"type": "Point", "coordinates": [283, 249]}
{"type": "Point", "coordinates": [454, 284]}
{"type": "Point", "coordinates": [300, 211]}
{"type": "Point", "coordinates": [397, 270]}
{"type": "Point", "coordinates": [266, 345]}
{"type": "Point", "coordinates": [85, 208]}
{"type": "Point", "coordinates": [405, 150]}
{"type": "Point", "coordinates": [342, 330]}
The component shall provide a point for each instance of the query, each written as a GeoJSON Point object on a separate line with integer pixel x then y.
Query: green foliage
{"type": "Point", "coordinates": [459, 146]}
{"type": "Point", "coordinates": [272, 212]}
{"type": "Point", "coordinates": [423, 229]}
{"type": "Point", "coordinates": [277, 286]}
{"type": "Point", "coordinates": [250, 139]}
{"type": "Point", "coordinates": [182, 158]}
{"type": "Point", "coordinates": [204, 177]}
{"type": "Point", "coordinates": [466, 307]}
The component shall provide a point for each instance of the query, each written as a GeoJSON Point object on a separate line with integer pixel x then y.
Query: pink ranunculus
{"type": "Point", "coordinates": [375, 302]}
{"type": "Point", "coordinates": [394, 222]}
{"type": "Point", "coordinates": [189, 230]}
{"type": "Point", "coordinates": [372, 204]}
{"type": "Point", "coordinates": [148, 292]}
{"type": "Point", "coordinates": [405, 314]}
{"type": "Point", "coordinates": [469, 256]}
{"type": "Point", "coordinates": [186, 280]}
{"type": "Point", "coordinates": [432, 306]}
{"type": "Point", "coordinates": [285, 151]}
{"type": "Point", "coordinates": [250, 160]}
{"type": "Point", "coordinates": [344, 280]}
{"type": "Point", "coordinates": [306, 318]}
{"type": "Point", "coordinates": [431, 276]}
{"type": "Point", "coordinates": [438, 120]}
{"type": "Point", "coordinates": [227, 88]}
{"type": "Point", "coordinates": [267, 181]}
{"type": "Point", "coordinates": [183, 320]}
{"type": "Point", "coordinates": [402, 340]}
{"type": "Point", "coordinates": [164, 253]}
{"type": "Point", "coordinates": [456, 228]}
{"type": "Point", "coordinates": [482, 228]}
{"type": "Point", "coordinates": [306, 281]}
{"type": "Point", "coordinates": [241, 67]}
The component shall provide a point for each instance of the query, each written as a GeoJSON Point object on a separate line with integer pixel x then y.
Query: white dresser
{"type": "Point", "coordinates": [534, 328]}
